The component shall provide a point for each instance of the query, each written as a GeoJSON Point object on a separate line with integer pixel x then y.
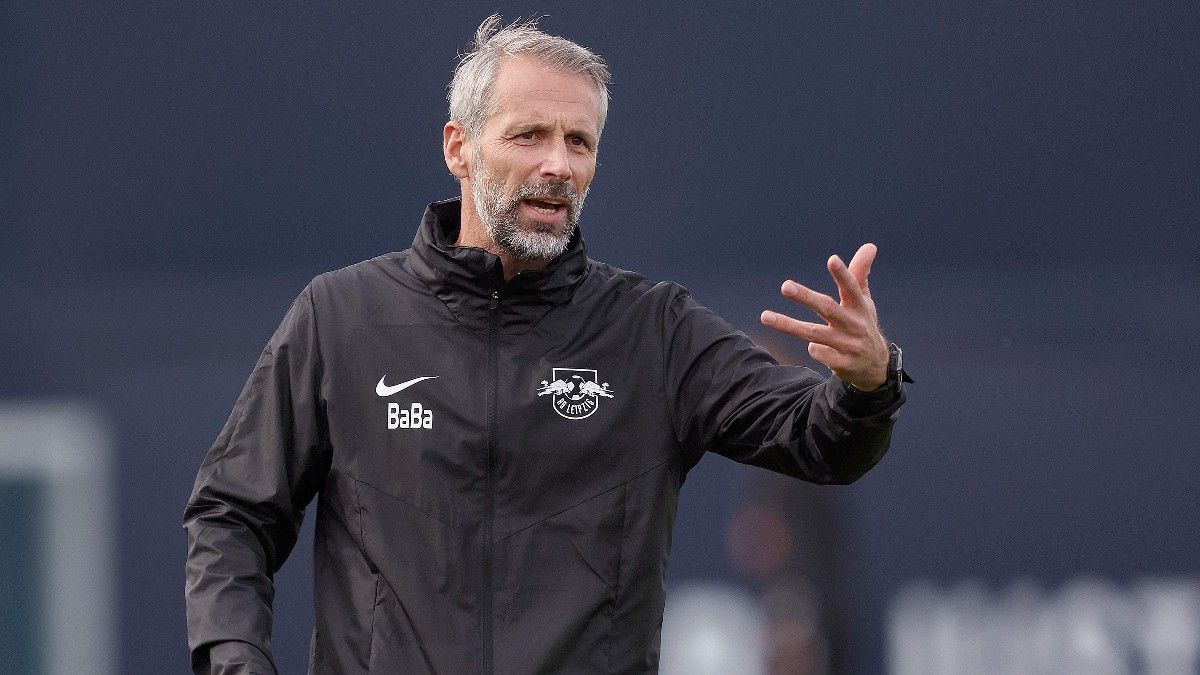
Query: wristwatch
{"type": "Point", "coordinates": [896, 375]}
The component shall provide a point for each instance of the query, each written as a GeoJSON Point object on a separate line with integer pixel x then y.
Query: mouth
{"type": "Point", "coordinates": [546, 204]}
{"type": "Point", "coordinates": [546, 209]}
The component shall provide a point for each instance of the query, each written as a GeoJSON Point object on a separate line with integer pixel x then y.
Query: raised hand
{"type": "Point", "coordinates": [849, 342]}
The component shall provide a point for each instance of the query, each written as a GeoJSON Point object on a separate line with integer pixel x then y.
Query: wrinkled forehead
{"type": "Point", "coordinates": [527, 89]}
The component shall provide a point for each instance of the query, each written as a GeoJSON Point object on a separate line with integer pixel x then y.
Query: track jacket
{"type": "Point", "coordinates": [497, 465]}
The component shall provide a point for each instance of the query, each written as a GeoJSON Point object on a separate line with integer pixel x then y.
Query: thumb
{"type": "Point", "coordinates": [860, 266]}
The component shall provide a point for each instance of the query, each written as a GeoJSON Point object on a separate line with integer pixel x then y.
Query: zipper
{"type": "Point", "coordinates": [490, 496]}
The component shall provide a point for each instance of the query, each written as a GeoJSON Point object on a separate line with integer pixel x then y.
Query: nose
{"type": "Point", "coordinates": [557, 162]}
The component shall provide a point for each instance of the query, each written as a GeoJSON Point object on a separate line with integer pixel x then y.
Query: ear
{"type": "Point", "coordinates": [456, 149]}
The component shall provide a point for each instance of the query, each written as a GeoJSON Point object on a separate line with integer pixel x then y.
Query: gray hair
{"type": "Point", "coordinates": [471, 101]}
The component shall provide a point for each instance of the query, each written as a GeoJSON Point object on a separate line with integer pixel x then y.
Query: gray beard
{"type": "Point", "coordinates": [527, 241]}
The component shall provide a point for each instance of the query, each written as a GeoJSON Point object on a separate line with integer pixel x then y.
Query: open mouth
{"type": "Point", "coordinates": [545, 206]}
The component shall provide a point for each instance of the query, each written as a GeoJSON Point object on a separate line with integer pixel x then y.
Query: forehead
{"type": "Point", "coordinates": [527, 89]}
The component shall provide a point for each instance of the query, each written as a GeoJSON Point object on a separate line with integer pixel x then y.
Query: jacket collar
{"type": "Point", "coordinates": [465, 278]}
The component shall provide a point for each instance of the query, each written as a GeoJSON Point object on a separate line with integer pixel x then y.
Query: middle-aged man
{"type": "Point", "coordinates": [497, 426]}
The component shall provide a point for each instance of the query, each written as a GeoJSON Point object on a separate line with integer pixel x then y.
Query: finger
{"type": "Point", "coordinates": [860, 265]}
{"type": "Point", "coordinates": [848, 288]}
{"type": "Point", "coordinates": [832, 358]}
{"type": "Point", "coordinates": [813, 332]}
{"type": "Point", "coordinates": [824, 306]}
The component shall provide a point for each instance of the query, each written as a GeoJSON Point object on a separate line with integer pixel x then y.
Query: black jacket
{"type": "Point", "coordinates": [512, 512]}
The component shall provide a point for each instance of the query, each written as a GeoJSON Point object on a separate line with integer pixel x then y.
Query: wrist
{"type": "Point", "coordinates": [894, 378]}
{"type": "Point", "coordinates": [865, 386]}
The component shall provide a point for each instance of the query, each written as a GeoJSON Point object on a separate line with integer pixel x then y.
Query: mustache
{"type": "Point", "coordinates": [548, 188]}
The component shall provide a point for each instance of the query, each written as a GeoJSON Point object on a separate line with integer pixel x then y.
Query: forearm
{"type": "Point", "coordinates": [852, 431]}
{"type": "Point", "coordinates": [811, 429]}
{"type": "Point", "coordinates": [229, 593]}
{"type": "Point", "coordinates": [231, 658]}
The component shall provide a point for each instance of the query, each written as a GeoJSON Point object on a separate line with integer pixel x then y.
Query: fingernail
{"type": "Point", "coordinates": [767, 316]}
{"type": "Point", "coordinates": [790, 287]}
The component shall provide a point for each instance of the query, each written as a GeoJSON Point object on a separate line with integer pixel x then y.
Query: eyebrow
{"type": "Point", "coordinates": [522, 127]}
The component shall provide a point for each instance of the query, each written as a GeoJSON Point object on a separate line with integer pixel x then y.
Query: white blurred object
{"type": "Point", "coordinates": [67, 448]}
{"type": "Point", "coordinates": [1090, 626]}
{"type": "Point", "coordinates": [1170, 625]}
{"type": "Point", "coordinates": [712, 629]}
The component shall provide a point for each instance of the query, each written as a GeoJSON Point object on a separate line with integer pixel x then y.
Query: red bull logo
{"type": "Point", "coordinates": [575, 393]}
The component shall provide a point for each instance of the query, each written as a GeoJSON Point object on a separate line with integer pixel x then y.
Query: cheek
{"type": "Point", "coordinates": [583, 170]}
{"type": "Point", "coordinates": [522, 168]}
{"type": "Point", "coordinates": [505, 161]}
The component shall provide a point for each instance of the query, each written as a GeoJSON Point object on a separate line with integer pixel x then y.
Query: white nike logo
{"type": "Point", "coordinates": [384, 390]}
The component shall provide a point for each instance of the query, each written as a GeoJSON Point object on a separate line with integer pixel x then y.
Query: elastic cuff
{"type": "Point", "coordinates": [865, 403]}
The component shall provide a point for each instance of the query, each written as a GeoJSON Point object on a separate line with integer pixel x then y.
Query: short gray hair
{"type": "Point", "coordinates": [471, 101]}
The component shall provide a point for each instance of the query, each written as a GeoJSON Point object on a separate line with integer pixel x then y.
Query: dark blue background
{"type": "Point", "coordinates": [172, 174]}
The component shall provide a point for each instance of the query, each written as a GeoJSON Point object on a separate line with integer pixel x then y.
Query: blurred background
{"type": "Point", "coordinates": [173, 174]}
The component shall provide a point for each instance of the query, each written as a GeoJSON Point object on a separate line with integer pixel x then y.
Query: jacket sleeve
{"type": "Point", "coordinates": [249, 497]}
{"type": "Point", "coordinates": [729, 396]}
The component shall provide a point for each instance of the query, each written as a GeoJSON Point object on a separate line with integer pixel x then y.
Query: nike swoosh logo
{"type": "Point", "coordinates": [384, 390]}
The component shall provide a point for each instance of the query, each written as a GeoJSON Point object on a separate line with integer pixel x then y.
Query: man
{"type": "Point", "coordinates": [497, 427]}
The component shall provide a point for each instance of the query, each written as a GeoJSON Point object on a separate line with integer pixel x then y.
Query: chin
{"type": "Point", "coordinates": [537, 227]}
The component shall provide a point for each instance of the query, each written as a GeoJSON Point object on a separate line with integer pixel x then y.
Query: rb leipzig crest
{"type": "Point", "coordinates": [574, 392]}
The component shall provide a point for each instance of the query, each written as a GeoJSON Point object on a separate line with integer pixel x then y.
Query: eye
{"type": "Point", "coordinates": [578, 141]}
{"type": "Point", "coordinates": [527, 136]}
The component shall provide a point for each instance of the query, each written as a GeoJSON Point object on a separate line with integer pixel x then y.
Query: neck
{"type": "Point", "coordinates": [472, 233]}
